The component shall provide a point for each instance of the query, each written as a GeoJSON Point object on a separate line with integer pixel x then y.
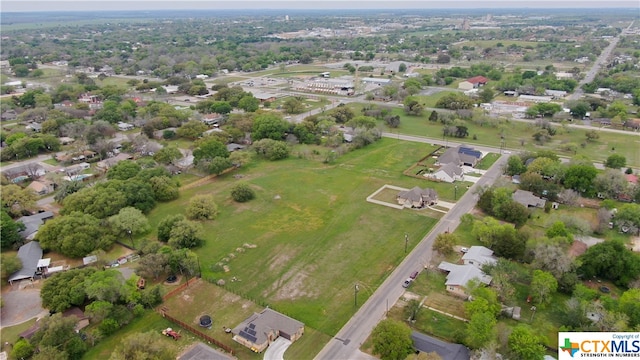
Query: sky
{"type": "Point", "coordinates": [88, 5]}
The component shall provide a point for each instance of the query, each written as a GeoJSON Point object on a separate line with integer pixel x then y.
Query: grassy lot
{"type": "Point", "coordinates": [12, 334]}
{"type": "Point", "coordinates": [598, 151]}
{"type": "Point", "coordinates": [306, 231]}
{"type": "Point", "coordinates": [150, 322]}
{"type": "Point", "coordinates": [488, 160]}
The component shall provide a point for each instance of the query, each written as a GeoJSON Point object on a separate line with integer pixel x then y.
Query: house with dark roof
{"type": "Point", "coordinates": [259, 330]}
{"type": "Point", "coordinates": [446, 351]}
{"type": "Point", "coordinates": [29, 254]}
{"type": "Point", "coordinates": [461, 155]}
{"type": "Point", "coordinates": [417, 197]}
{"type": "Point", "coordinates": [32, 223]}
{"type": "Point", "coordinates": [459, 275]}
{"type": "Point", "coordinates": [448, 173]}
{"type": "Point", "coordinates": [528, 199]}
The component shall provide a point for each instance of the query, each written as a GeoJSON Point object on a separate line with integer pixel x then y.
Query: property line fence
{"type": "Point", "coordinates": [180, 288]}
{"type": "Point", "coordinates": [196, 332]}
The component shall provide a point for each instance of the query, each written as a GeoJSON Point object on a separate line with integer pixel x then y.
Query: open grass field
{"type": "Point", "coordinates": [517, 131]}
{"type": "Point", "coordinates": [314, 234]}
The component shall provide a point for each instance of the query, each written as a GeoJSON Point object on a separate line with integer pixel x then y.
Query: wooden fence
{"type": "Point", "coordinates": [197, 332]}
{"type": "Point", "coordinates": [180, 288]}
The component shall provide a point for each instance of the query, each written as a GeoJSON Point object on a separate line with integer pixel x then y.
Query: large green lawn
{"type": "Point", "coordinates": [518, 133]}
{"type": "Point", "coordinates": [314, 233]}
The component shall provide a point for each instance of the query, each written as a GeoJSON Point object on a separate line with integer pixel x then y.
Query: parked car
{"type": "Point", "coordinates": [414, 275]}
{"type": "Point", "coordinates": [464, 250]}
{"type": "Point", "coordinates": [406, 283]}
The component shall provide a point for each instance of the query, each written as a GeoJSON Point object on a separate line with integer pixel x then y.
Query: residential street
{"type": "Point", "coordinates": [346, 344]}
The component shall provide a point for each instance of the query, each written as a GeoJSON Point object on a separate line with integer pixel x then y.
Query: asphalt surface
{"type": "Point", "coordinates": [20, 305]}
{"type": "Point", "coordinates": [346, 343]}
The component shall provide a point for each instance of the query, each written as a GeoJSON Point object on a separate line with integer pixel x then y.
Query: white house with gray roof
{"type": "Point", "coordinates": [459, 275]}
{"type": "Point", "coordinates": [478, 256]}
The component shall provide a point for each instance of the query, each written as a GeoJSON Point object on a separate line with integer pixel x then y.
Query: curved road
{"type": "Point", "coordinates": [346, 343]}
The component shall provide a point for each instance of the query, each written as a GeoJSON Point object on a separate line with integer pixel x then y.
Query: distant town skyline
{"type": "Point", "coordinates": [139, 5]}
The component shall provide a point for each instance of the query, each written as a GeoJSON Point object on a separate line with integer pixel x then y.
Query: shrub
{"type": "Point", "coordinates": [242, 192]}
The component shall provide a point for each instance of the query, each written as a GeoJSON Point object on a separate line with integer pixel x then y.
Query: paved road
{"type": "Point", "coordinates": [346, 343]}
{"type": "Point", "coordinates": [591, 74]}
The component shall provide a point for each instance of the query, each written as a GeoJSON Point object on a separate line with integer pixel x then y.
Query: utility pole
{"type": "Point", "coordinates": [406, 242]}
{"type": "Point", "coordinates": [356, 288]}
{"type": "Point", "coordinates": [455, 192]}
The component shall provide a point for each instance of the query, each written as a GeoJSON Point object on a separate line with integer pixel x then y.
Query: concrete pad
{"type": "Point", "coordinates": [276, 349]}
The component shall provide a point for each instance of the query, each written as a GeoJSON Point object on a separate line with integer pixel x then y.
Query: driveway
{"type": "Point", "coordinates": [276, 349]}
{"type": "Point", "coordinates": [20, 305]}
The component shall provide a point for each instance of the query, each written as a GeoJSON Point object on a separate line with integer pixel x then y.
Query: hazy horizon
{"type": "Point", "coordinates": [150, 5]}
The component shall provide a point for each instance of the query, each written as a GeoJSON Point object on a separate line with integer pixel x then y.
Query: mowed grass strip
{"type": "Point", "coordinates": [314, 234]}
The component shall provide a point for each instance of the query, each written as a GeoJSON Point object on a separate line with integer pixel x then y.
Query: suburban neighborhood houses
{"type": "Point", "coordinates": [317, 184]}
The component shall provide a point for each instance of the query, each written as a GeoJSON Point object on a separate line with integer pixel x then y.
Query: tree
{"type": "Point", "coordinates": [164, 189]}
{"type": "Point", "coordinates": [269, 126]}
{"type": "Point", "coordinates": [412, 106]}
{"type": "Point", "coordinates": [580, 178]}
{"type": "Point", "coordinates": [208, 149]}
{"type": "Point", "coordinates": [107, 285]}
{"type": "Point", "coordinates": [59, 332]}
{"type": "Point", "coordinates": [486, 95]}
{"type": "Point", "coordinates": [10, 232]}
{"type": "Point", "coordinates": [293, 105]}
{"type": "Point", "coordinates": [616, 161]}
{"type": "Point", "coordinates": [202, 207]}
{"type": "Point", "coordinates": [123, 170]}
{"type": "Point", "coordinates": [271, 149]}
{"type": "Point", "coordinates": [558, 229]}
{"type": "Point", "coordinates": [610, 260]}
{"type": "Point", "coordinates": [16, 200]}
{"type": "Point", "coordinates": [543, 285]}
{"type": "Point", "coordinates": [434, 116]}
{"type": "Point", "coordinates": [218, 165]}
{"type": "Point", "coordinates": [525, 344]}
{"type": "Point", "coordinates": [65, 289]}
{"type": "Point", "coordinates": [480, 330]}
{"type": "Point", "coordinates": [185, 234]}
{"type": "Point", "coordinates": [444, 243]}
{"type": "Point", "coordinates": [592, 135]}
{"type": "Point", "coordinates": [630, 305]}
{"type": "Point", "coordinates": [610, 184]}
{"type": "Point", "coordinates": [515, 166]}
{"type": "Point", "coordinates": [412, 310]}
{"type": "Point", "coordinates": [129, 221]}
{"type": "Point", "coordinates": [165, 226]}
{"type": "Point", "coordinates": [22, 349]}
{"type": "Point", "coordinates": [191, 130]}
{"type": "Point", "coordinates": [392, 340]}
{"type": "Point", "coordinates": [151, 266]}
{"type": "Point", "coordinates": [96, 201]}
{"type": "Point", "coordinates": [167, 155]}
{"type": "Point", "coordinates": [627, 219]}
{"type": "Point", "coordinates": [10, 264]}
{"type": "Point", "coordinates": [74, 235]}
{"type": "Point", "coordinates": [142, 346]}
{"type": "Point", "coordinates": [242, 192]}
